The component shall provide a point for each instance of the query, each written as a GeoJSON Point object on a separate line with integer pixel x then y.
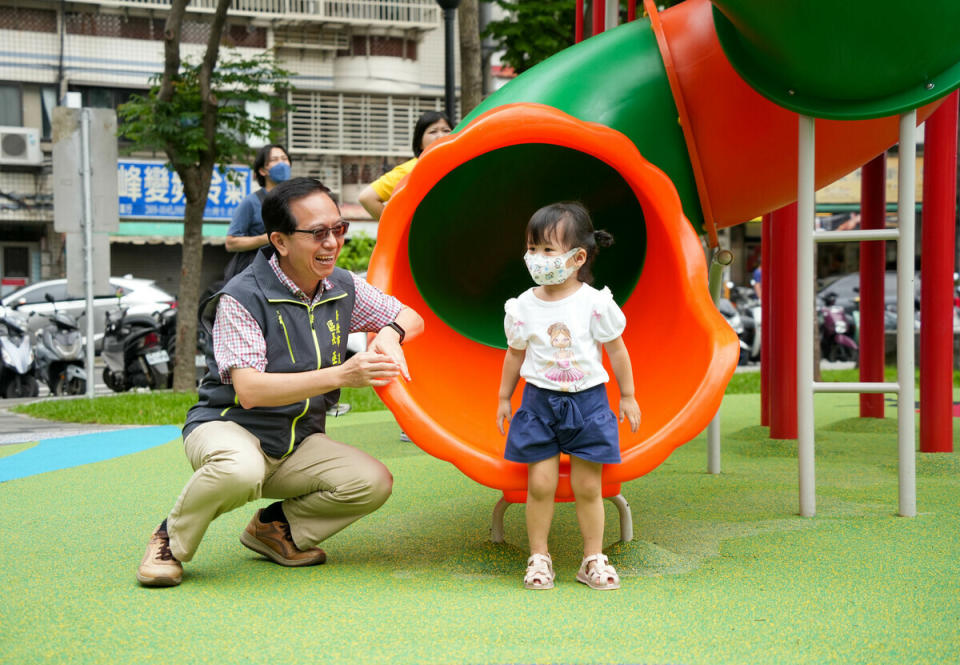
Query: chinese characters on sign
{"type": "Point", "coordinates": [148, 190]}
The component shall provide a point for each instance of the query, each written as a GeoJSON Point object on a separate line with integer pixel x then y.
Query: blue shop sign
{"type": "Point", "coordinates": [148, 190]}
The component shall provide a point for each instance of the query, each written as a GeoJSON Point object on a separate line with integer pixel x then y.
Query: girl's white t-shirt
{"type": "Point", "coordinates": [562, 338]}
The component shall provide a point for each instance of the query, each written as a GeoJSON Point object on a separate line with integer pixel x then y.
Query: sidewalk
{"type": "Point", "coordinates": [18, 428]}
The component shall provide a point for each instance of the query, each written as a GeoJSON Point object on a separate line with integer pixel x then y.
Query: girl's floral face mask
{"type": "Point", "coordinates": [548, 270]}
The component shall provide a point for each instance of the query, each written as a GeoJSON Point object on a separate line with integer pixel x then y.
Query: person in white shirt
{"type": "Point", "coordinates": [554, 333]}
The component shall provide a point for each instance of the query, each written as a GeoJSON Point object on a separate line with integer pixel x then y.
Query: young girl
{"type": "Point", "coordinates": [554, 332]}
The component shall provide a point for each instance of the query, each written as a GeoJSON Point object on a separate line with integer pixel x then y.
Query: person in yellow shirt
{"type": "Point", "coordinates": [431, 126]}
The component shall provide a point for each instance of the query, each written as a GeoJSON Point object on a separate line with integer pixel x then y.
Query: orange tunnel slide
{"type": "Point", "coordinates": [652, 129]}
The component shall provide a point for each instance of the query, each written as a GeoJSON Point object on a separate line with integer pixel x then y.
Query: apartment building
{"type": "Point", "coordinates": [364, 70]}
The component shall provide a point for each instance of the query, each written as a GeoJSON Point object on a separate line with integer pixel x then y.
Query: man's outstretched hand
{"type": "Point", "coordinates": [370, 368]}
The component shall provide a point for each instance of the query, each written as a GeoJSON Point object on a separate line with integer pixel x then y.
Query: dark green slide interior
{"type": "Point", "coordinates": [467, 236]}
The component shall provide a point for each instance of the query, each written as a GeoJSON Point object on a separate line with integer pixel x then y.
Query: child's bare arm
{"type": "Point", "coordinates": [623, 370]}
{"type": "Point", "coordinates": [508, 383]}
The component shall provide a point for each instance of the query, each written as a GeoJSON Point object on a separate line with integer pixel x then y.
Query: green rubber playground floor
{"type": "Point", "coordinates": [721, 569]}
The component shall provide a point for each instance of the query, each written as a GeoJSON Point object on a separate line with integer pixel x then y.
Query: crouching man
{"type": "Point", "coordinates": [279, 331]}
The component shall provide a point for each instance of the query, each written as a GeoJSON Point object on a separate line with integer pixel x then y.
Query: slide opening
{"type": "Point", "coordinates": [467, 237]}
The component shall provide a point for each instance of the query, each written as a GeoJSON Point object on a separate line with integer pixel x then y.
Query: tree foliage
{"type": "Point", "coordinates": [195, 114]}
{"type": "Point", "coordinates": [176, 127]}
{"type": "Point", "coordinates": [533, 31]}
{"type": "Point", "coordinates": [356, 252]}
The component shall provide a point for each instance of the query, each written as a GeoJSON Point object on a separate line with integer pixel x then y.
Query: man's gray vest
{"type": "Point", "coordinates": [299, 338]}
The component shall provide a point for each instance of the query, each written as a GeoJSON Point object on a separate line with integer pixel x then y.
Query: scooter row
{"type": "Point", "coordinates": [837, 326]}
{"type": "Point", "coordinates": [138, 352]}
{"type": "Point", "coordinates": [54, 355]}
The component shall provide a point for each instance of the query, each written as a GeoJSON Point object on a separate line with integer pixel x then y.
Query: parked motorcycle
{"type": "Point", "coordinates": [167, 321]}
{"type": "Point", "coordinates": [133, 352]}
{"type": "Point", "coordinates": [837, 332]}
{"type": "Point", "coordinates": [747, 304]}
{"type": "Point", "coordinates": [736, 322]}
{"type": "Point", "coordinates": [59, 351]}
{"type": "Point", "coordinates": [16, 350]}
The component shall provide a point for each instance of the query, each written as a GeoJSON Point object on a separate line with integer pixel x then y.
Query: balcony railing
{"type": "Point", "coordinates": [423, 14]}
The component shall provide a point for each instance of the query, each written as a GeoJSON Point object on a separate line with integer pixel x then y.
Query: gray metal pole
{"type": "Point", "coordinates": [805, 304]}
{"type": "Point", "coordinates": [85, 178]}
{"type": "Point", "coordinates": [906, 213]}
{"type": "Point", "coordinates": [721, 259]}
{"type": "Point", "coordinates": [450, 101]}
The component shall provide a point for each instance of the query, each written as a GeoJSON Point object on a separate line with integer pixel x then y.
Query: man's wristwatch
{"type": "Point", "coordinates": [400, 331]}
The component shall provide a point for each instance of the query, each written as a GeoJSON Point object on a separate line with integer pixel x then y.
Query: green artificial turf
{"type": "Point", "coordinates": [721, 570]}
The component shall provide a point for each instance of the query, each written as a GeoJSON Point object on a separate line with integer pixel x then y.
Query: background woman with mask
{"type": "Point", "coordinates": [246, 233]}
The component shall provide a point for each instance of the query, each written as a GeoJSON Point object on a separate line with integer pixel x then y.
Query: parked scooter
{"type": "Point", "coordinates": [736, 322]}
{"type": "Point", "coordinates": [747, 303]}
{"type": "Point", "coordinates": [167, 321]}
{"type": "Point", "coordinates": [16, 350]}
{"type": "Point", "coordinates": [837, 332]}
{"type": "Point", "coordinates": [59, 350]}
{"type": "Point", "coordinates": [133, 352]}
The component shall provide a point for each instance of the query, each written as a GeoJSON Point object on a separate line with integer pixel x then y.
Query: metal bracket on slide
{"type": "Point", "coordinates": [626, 518]}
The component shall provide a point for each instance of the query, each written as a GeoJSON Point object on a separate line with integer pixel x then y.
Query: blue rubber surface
{"type": "Point", "coordinates": [69, 451]}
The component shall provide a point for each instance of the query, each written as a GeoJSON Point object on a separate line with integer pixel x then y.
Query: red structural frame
{"type": "Point", "coordinates": [766, 344]}
{"type": "Point", "coordinates": [938, 237]}
{"type": "Point", "coordinates": [783, 296]}
{"type": "Point", "coordinates": [873, 213]}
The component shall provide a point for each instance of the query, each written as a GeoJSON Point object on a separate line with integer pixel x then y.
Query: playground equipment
{"type": "Point", "coordinates": [650, 126]}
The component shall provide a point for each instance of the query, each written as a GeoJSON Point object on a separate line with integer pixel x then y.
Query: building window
{"type": "Point", "coordinates": [104, 98]}
{"type": "Point", "coordinates": [48, 101]}
{"type": "Point", "coordinates": [395, 47]}
{"type": "Point", "coordinates": [355, 124]}
{"type": "Point", "coordinates": [11, 105]}
{"type": "Point", "coordinates": [16, 261]}
{"type": "Point", "coordinates": [26, 19]}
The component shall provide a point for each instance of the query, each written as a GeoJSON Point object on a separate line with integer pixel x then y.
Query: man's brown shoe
{"type": "Point", "coordinates": [159, 567]}
{"type": "Point", "coordinates": [273, 540]}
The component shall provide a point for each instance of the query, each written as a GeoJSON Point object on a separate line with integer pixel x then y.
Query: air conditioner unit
{"type": "Point", "coordinates": [20, 146]}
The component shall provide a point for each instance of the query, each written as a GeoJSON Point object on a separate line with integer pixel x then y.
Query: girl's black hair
{"type": "Point", "coordinates": [261, 160]}
{"type": "Point", "coordinates": [569, 223]}
{"type": "Point", "coordinates": [427, 119]}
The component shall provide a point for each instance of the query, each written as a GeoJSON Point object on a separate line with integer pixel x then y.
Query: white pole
{"type": "Point", "coordinates": [85, 177]}
{"type": "Point", "coordinates": [805, 304]}
{"type": "Point", "coordinates": [906, 213]}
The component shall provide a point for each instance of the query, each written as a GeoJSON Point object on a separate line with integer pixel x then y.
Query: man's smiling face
{"type": "Point", "coordinates": [305, 260]}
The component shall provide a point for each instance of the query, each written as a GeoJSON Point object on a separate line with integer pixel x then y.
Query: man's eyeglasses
{"type": "Point", "coordinates": [320, 233]}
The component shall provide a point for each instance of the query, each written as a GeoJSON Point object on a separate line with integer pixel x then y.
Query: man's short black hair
{"type": "Point", "coordinates": [263, 154]}
{"type": "Point", "coordinates": [276, 205]}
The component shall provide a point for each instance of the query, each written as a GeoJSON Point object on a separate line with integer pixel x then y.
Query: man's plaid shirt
{"type": "Point", "coordinates": [238, 340]}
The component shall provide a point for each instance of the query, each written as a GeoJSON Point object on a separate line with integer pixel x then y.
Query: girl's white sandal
{"type": "Point", "coordinates": [602, 576]}
{"type": "Point", "coordinates": [539, 573]}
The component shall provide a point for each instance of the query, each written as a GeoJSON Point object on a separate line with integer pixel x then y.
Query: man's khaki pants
{"type": "Point", "coordinates": [325, 485]}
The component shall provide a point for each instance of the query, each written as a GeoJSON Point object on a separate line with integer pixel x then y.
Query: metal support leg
{"type": "Point", "coordinates": [496, 528]}
{"type": "Point", "coordinates": [623, 508]}
{"type": "Point", "coordinates": [626, 517]}
{"type": "Point", "coordinates": [721, 259]}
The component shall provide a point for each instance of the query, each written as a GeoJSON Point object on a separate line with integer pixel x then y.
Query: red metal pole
{"type": "Point", "coordinates": [783, 297]}
{"type": "Point", "coordinates": [599, 14]}
{"type": "Point", "coordinates": [766, 280]}
{"type": "Point", "coordinates": [873, 213]}
{"type": "Point", "coordinates": [936, 278]}
{"type": "Point", "coordinates": [578, 23]}
{"type": "Point", "coordinates": [631, 10]}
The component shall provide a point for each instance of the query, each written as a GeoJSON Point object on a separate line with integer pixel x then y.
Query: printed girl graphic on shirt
{"type": "Point", "coordinates": [564, 369]}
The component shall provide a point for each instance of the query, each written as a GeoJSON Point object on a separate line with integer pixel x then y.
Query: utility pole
{"type": "Point", "coordinates": [449, 19]}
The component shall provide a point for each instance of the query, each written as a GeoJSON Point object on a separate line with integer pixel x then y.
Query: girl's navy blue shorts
{"type": "Point", "coordinates": [550, 422]}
